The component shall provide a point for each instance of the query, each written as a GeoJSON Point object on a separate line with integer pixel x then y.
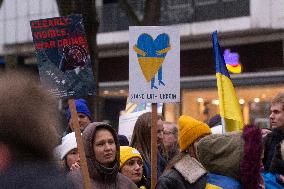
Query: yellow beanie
{"type": "Point", "coordinates": [189, 130]}
{"type": "Point", "coordinates": [126, 153]}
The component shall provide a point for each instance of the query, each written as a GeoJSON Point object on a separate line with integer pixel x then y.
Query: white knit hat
{"type": "Point", "coordinates": [68, 144]}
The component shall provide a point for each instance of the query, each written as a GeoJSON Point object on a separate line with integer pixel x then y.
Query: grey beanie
{"type": "Point", "coordinates": [221, 153]}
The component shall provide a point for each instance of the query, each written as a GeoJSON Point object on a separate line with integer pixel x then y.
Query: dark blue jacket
{"type": "Point", "coordinates": [34, 175]}
{"type": "Point", "coordinates": [161, 164]}
{"type": "Point", "coordinates": [270, 143]}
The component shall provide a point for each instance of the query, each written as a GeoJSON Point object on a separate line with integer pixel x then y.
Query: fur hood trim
{"type": "Point", "coordinates": [190, 169]}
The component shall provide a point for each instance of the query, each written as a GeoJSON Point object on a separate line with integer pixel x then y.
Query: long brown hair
{"type": "Point", "coordinates": [175, 159]}
{"type": "Point", "coordinates": [190, 151]}
{"type": "Point", "coordinates": [141, 137]}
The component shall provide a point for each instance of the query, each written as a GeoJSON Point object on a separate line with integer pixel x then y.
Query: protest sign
{"type": "Point", "coordinates": [64, 66]}
{"type": "Point", "coordinates": [63, 56]}
{"type": "Point", "coordinates": [154, 73]}
{"type": "Point", "coordinates": [127, 122]}
{"type": "Point", "coordinates": [129, 117]}
{"type": "Point", "coordinates": [154, 64]}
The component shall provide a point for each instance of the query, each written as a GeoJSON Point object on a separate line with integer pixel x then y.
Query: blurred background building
{"type": "Point", "coordinates": [251, 29]}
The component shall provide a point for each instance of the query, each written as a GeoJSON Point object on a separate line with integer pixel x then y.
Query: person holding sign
{"type": "Point", "coordinates": [141, 141]}
{"type": "Point", "coordinates": [29, 124]}
{"type": "Point", "coordinates": [102, 154]}
{"type": "Point", "coordinates": [84, 115]}
{"type": "Point", "coordinates": [66, 44]}
{"type": "Point", "coordinates": [184, 171]}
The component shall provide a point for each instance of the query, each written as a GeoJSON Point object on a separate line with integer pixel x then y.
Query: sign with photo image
{"type": "Point", "coordinates": [63, 56]}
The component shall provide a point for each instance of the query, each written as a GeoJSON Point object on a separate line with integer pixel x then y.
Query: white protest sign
{"type": "Point", "coordinates": [128, 119]}
{"type": "Point", "coordinates": [127, 123]}
{"type": "Point", "coordinates": [154, 64]}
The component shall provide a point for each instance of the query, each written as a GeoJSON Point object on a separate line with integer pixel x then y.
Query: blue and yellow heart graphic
{"type": "Point", "coordinates": [151, 53]}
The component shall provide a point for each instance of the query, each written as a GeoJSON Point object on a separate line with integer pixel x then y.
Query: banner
{"type": "Point", "coordinates": [63, 56]}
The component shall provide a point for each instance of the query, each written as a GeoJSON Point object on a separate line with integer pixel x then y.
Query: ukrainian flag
{"type": "Point", "coordinates": [229, 105]}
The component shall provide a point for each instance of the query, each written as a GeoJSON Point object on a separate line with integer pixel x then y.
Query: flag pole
{"type": "Point", "coordinates": [154, 146]}
{"type": "Point", "coordinates": [83, 161]}
{"type": "Point", "coordinates": [223, 125]}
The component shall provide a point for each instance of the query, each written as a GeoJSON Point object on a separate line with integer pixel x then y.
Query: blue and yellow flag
{"type": "Point", "coordinates": [229, 105]}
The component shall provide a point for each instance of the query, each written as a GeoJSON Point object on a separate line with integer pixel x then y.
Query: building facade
{"type": "Point", "coordinates": [253, 30]}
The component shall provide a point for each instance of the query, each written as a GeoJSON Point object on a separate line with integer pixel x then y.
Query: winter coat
{"type": "Point", "coordinates": [34, 175]}
{"type": "Point", "coordinates": [270, 142]}
{"type": "Point", "coordinates": [120, 182]}
{"type": "Point", "coordinates": [101, 177]}
{"type": "Point", "coordinates": [271, 178]}
{"type": "Point", "coordinates": [187, 173]}
{"type": "Point", "coordinates": [277, 163]}
{"type": "Point", "coordinates": [161, 164]}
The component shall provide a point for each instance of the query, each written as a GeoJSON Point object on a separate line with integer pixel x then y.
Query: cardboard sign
{"type": "Point", "coordinates": [154, 64]}
{"type": "Point", "coordinates": [63, 56]}
{"type": "Point", "coordinates": [132, 111]}
{"type": "Point", "coordinates": [127, 122]}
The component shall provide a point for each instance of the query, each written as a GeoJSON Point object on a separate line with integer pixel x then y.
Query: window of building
{"type": "Point", "coordinates": [254, 101]}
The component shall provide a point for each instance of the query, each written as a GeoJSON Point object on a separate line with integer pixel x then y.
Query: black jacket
{"type": "Point", "coordinates": [172, 179]}
{"type": "Point", "coordinates": [277, 164]}
{"type": "Point", "coordinates": [34, 175]}
{"type": "Point", "coordinates": [270, 143]}
{"type": "Point", "coordinates": [186, 174]}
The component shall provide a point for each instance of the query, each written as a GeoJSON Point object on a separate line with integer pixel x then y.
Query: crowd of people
{"type": "Point", "coordinates": [191, 154]}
